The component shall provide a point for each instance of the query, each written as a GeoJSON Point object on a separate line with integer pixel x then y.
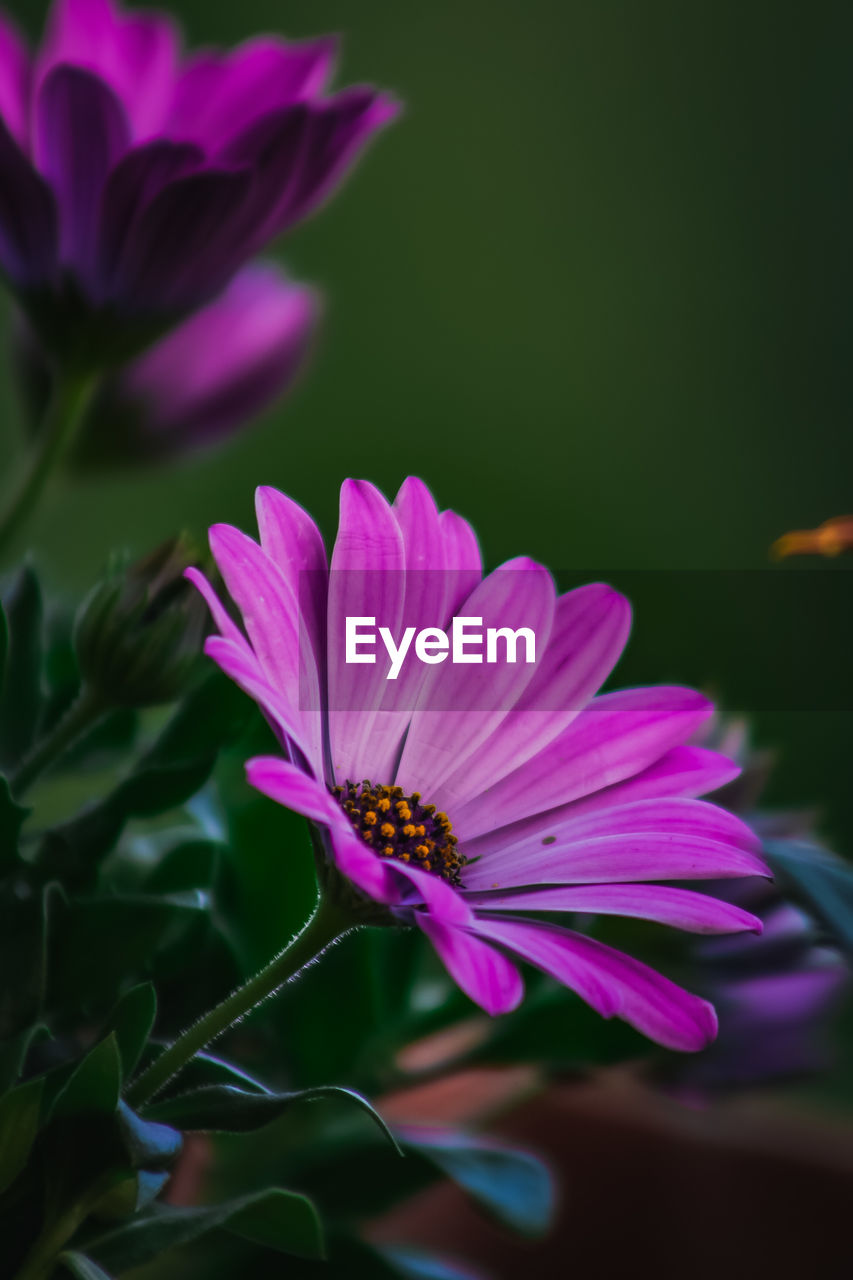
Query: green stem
{"type": "Point", "coordinates": [71, 396]}
{"type": "Point", "coordinates": [80, 716]}
{"type": "Point", "coordinates": [327, 924]}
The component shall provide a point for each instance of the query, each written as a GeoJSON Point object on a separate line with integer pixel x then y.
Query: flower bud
{"type": "Point", "coordinates": [139, 632]}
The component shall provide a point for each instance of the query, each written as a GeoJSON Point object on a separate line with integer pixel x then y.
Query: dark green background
{"type": "Point", "coordinates": [594, 287]}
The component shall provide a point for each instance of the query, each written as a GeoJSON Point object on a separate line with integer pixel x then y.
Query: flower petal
{"type": "Point", "coordinates": [339, 129]}
{"type": "Point", "coordinates": [657, 1007]}
{"type": "Point", "coordinates": [613, 859]}
{"type": "Point", "coordinates": [80, 132]}
{"type": "Point", "coordinates": [29, 224]}
{"type": "Point", "coordinates": [461, 706]}
{"type": "Point", "coordinates": [617, 735]}
{"type": "Point", "coordinates": [443, 901]}
{"type": "Point", "coordinates": [668, 815]}
{"type": "Point", "coordinates": [269, 613]}
{"type": "Point", "coordinates": [485, 975]}
{"type": "Point", "coordinates": [15, 74]}
{"type": "Point", "coordinates": [290, 787]}
{"type": "Point", "coordinates": [186, 243]}
{"type": "Point", "coordinates": [219, 94]}
{"type": "Point", "coordinates": [679, 908]}
{"type": "Point", "coordinates": [294, 543]}
{"type": "Point", "coordinates": [136, 54]}
{"type": "Point", "coordinates": [131, 186]}
{"type": "Point", "coordinates": [367, 580]}
{"type": "Point", "coordinates": [227, 627]}
{"type": "Point", "coordinates": [590, 628]}
{"type": "Point", "coordinates": [225, 363]}
{"type": "Point", "coordinates": [240, 665]}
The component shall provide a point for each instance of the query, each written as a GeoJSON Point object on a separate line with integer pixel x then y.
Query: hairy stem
{"type": "Point", "coordinates": [327, 924]}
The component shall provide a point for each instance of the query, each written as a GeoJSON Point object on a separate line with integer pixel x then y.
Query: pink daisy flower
{"type": "Point", "coordinates": [460, 799]}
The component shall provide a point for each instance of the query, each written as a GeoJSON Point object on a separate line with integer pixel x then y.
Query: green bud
{"type": "Point", "coordinates": [138, 633]}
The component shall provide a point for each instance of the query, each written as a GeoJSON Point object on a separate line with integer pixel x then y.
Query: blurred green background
{"type": "Point", "coordinates": [594, 287]}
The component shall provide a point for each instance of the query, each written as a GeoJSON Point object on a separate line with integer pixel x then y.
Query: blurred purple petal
{"type": "Point", "coordinates": [15, 74]}
{"type": "Point", "coordinates": [219, 94]}
{"type": "Point", "coordinates": [80, 132]}
{"type": "Point", "coordinates": [224, 364]}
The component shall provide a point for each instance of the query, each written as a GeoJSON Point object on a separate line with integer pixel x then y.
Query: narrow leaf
{"type": "Point", "coordinates": [132, 1020]}
{"type": "Point", "coordinates": [226, 1109]}
{"type": "Point", "coordinates": [95, 1085]}
{"type": "Point", "coordinates": [19, 1122]}
{"type": "Point", "coordinates": [280, 1219]}
{"type": "Point", "coordinates": [82, 1267]}
{"type": "Point", "coordinates": [512, 1184]}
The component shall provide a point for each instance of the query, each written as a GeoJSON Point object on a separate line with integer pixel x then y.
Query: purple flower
{"type": "Point", "coordinates": [458, 814]}
{"type": "Point", "coordinates": [217, 370]}
{"type": "Point", "coordinates": [134, 183]}
{"type": "Point", "coordinates": [777, 994]}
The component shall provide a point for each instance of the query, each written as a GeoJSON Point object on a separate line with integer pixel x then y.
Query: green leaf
{"type": "Point", "coordinates": [12, 817]}
{"type": "Point", "coordinates": [132, 1020]}
{"type": "Point", "coordinates": [95, 1085]}
{"type": "Point", "coordinates": [130, 1195]}
{"type": "Point", "coordinates": [224, 1109]}
{"type": "Point", "coordinates": [207, 1069]}
{"type": "Point", "coordinates": [512, 1184]}
{"type": "Point", "coordinates": [21, 697]}
{"type": "Point", "coordinates": [277, 1219]}
{"type": "Point", "coordinates": [19, 1122]}
{"type": "Point", "coordinates": [821, 879]}
{"type": "Point", "coordinates": [173, 770]}
{"type": "Point", "coordinates": [82, 1267]}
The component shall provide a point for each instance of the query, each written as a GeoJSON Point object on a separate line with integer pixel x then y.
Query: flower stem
{"type": "Point", "coordinates": [80, 716]}
{"type": "Point", "coordinates": [71, 396]}
{"type": "Point", "coordinates": [327, 924]}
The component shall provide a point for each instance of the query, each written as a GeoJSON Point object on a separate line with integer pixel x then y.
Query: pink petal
{"type": "Point", "coordinates": [226, 626]}
{"type": "Point", "coordinates": [462, 705]}
{"type": "Point", "coordinates": [290, 787]}
{"type": "Point", "coordinates": [667, 816]}
{"type": "Point", "coordinates": [590, 629]}
{"type": "Point", "coordinates": [15, 72]}
{"type": "Point", "coordinates": [491, 980]}
{"type": "Point", "coordinates": [292, 540]}
{"type": "Point", "coordinates": [136, 54]}
{"type": "Point", "coordinates": [240, 665]}
{"type": "Point", "coordinates": [655, 1006]}
{"type": "Point", "coordinates": [618, 735]}
{"type": "Point", "coordinates": [219, 94]}
{"type": "Point", "coordinates": [443, 901]}
{"type": "Point", "coordinates": [367, 579]}
{"type": "Point", "coordinates": [680, 908]}
{"type": "Point", "coordinates": [614, 859]}
{"type": "Point", "coordinates": [462, 559]}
